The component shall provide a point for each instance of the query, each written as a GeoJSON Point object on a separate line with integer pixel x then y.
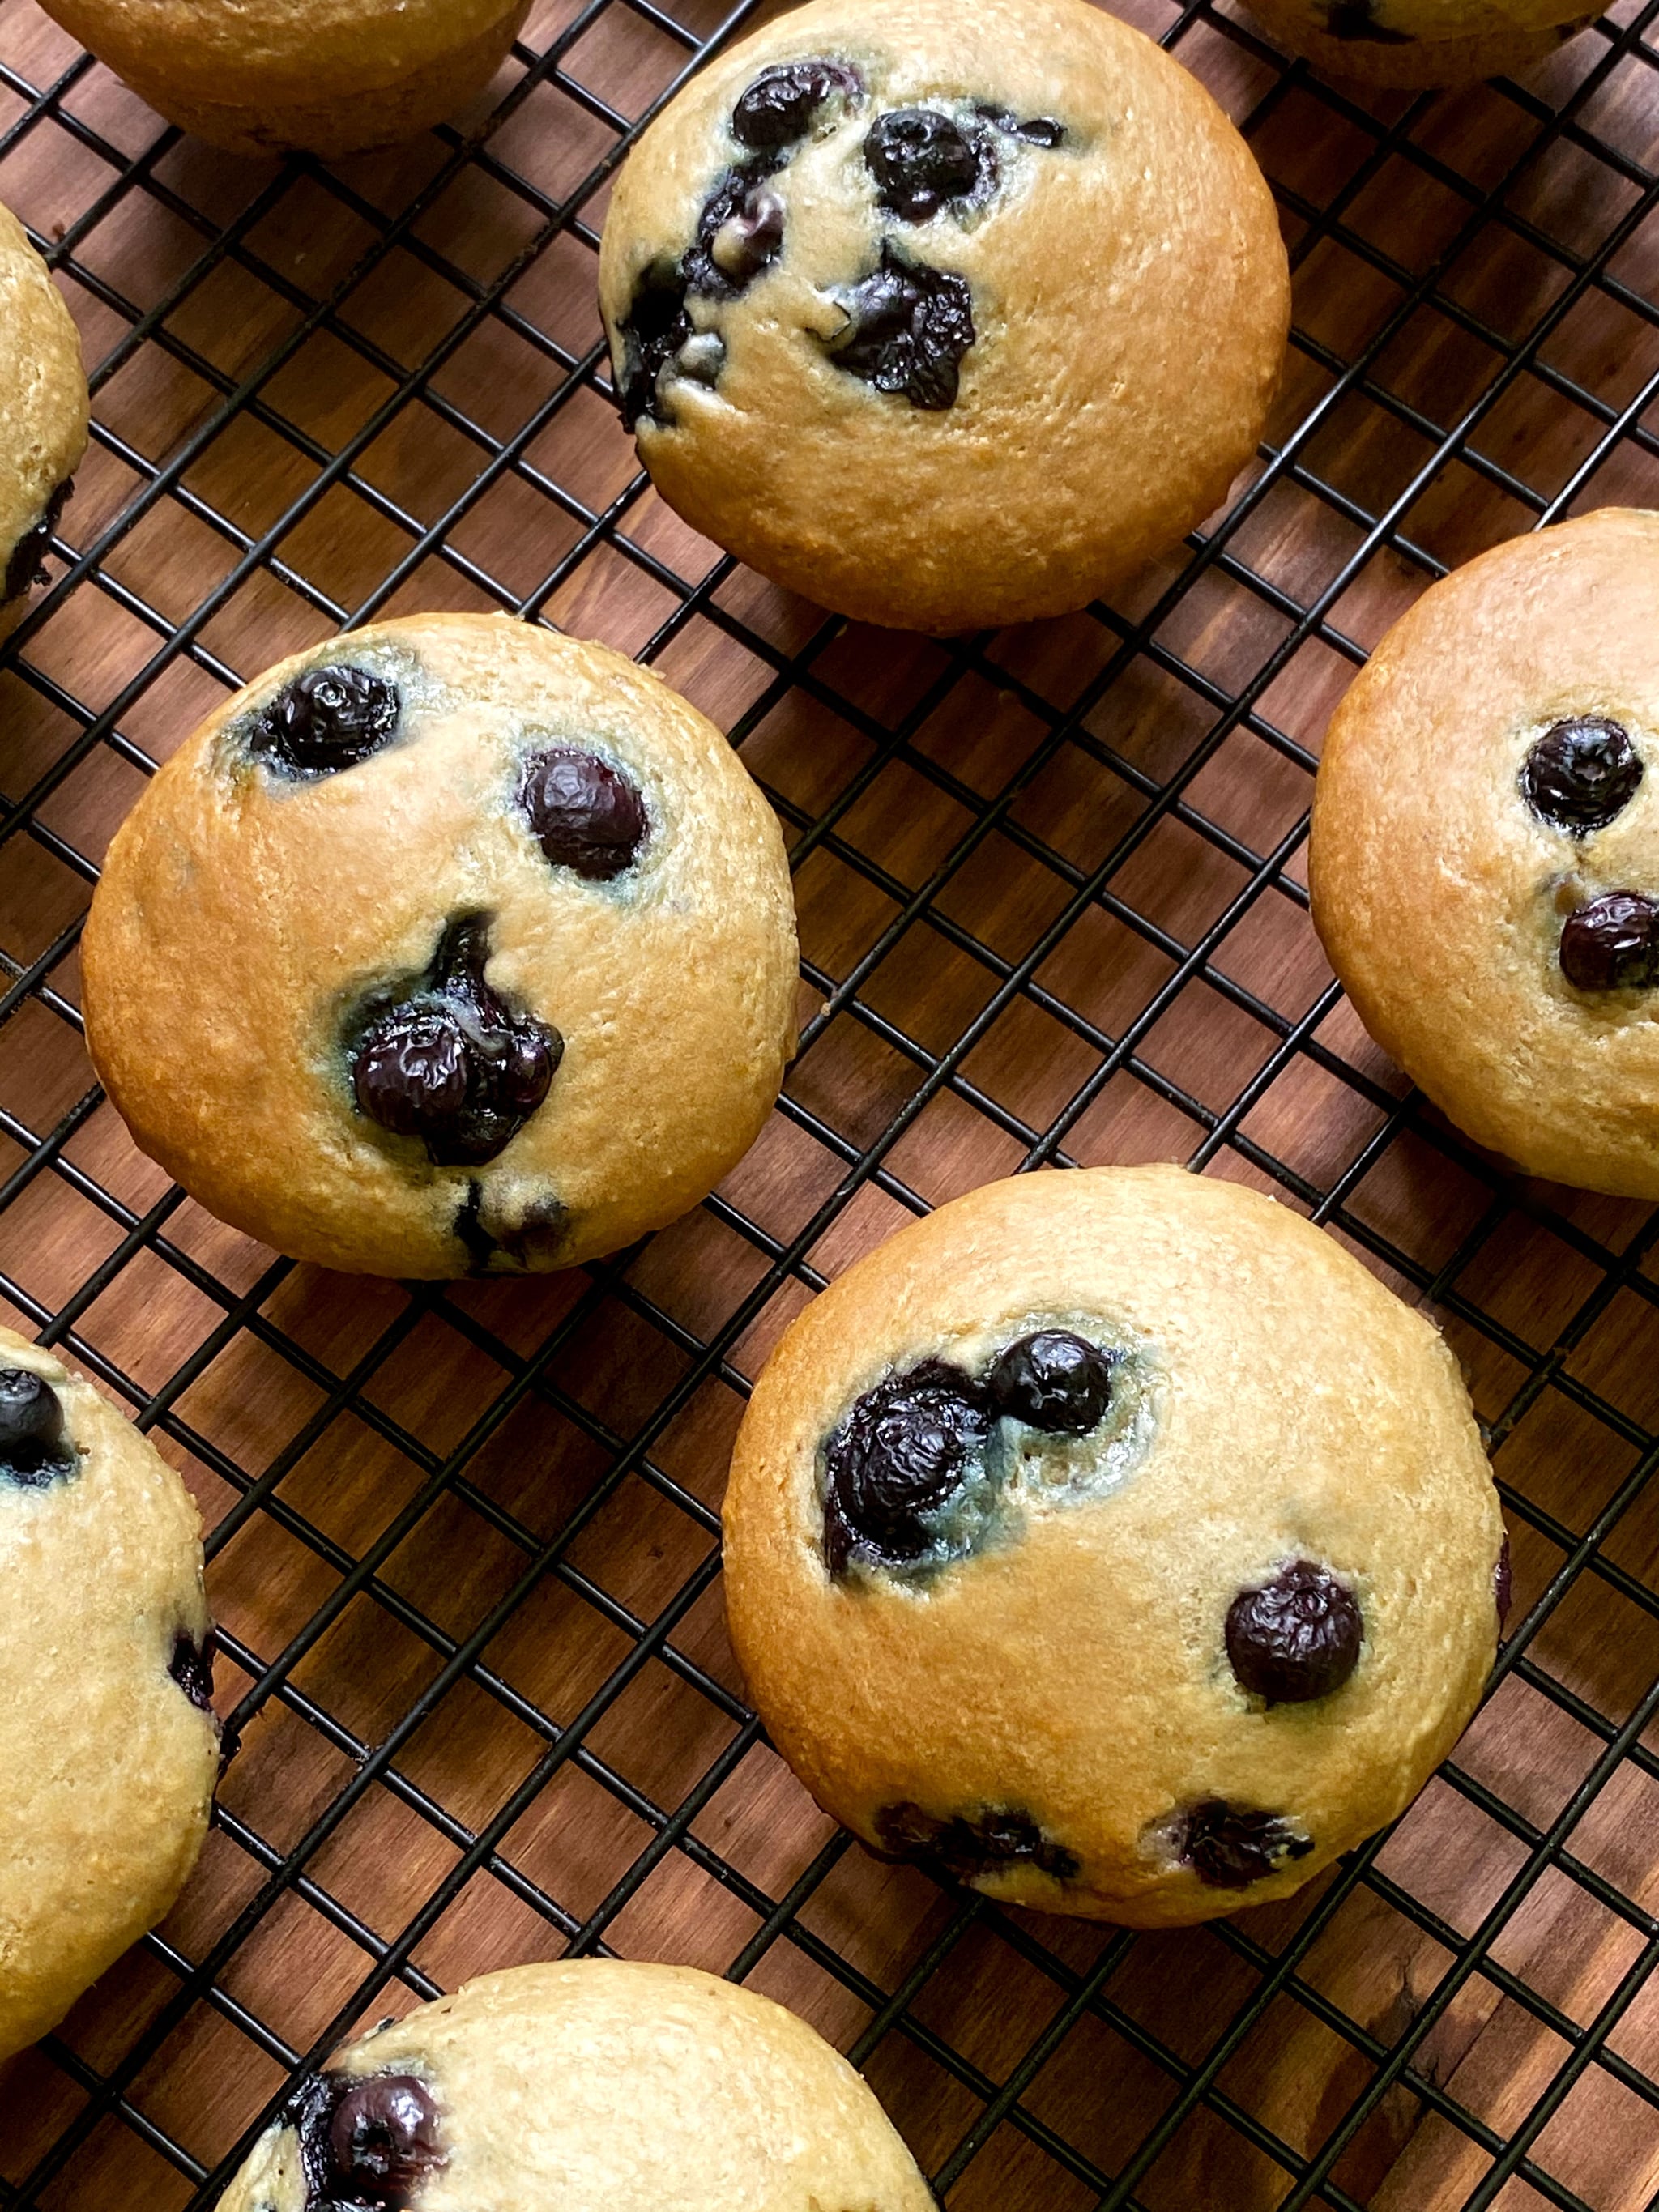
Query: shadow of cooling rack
{"type": "Point", "coordinates": [479, 1704]}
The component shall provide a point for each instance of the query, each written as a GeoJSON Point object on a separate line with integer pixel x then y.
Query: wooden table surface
{"type": "Point", "coordinates": [464, 1540]}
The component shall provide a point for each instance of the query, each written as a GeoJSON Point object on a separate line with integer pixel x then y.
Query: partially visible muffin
{"type": "Point", "coordinates": [1485, 854]}
{"type": "Point", "coordinates": [452, 944]}
{"type": "Point", "coordinates": [1112, 1542]}
{"type": "Point", "coordinates": [944, 316]}
{"type": "Point", "coordinates": [43, 414]}
{"type": "Point", "coordinates": [108, 1740]}
{"type": "Point", "coordinates": [1416, 44]}
{"type": "Point", "coordinates": [588, 2085]}
{"type": "Point", "coordinates": [322, 76]}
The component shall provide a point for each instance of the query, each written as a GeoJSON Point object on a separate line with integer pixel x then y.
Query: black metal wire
{"type": "Point", "coordinates": [1079, 725]}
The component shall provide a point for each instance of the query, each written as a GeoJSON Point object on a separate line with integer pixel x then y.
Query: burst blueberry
{"type": "Point", "coordinates": [325, 720]}
{"type": "Point", "coordinates": [782, 103]}
{"type": "Point", "coordinates": [964, 1847]}
{"type": "Point", "coordinates": [908, 328]}
{"type": "Point", "coordinates": [448, 1062]}
{"type": "Point", "coordinates": [1230, 1846]}
{"type": "Point", "coordinates": [902, 1454]}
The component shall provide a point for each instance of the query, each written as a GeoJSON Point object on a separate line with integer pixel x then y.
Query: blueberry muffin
{"type": "Point", "coordinates": [943, 316]}
{"type": "Point", "coordinates": [586, 2086]}
{"type": "Point", "coordinates": [450, 944]}
{"type": "Point", "coordinates": [43, 414]}
{"type": "Point", "coordinates": [1113, 1542]}
{"type": "Point", "coordinates": [1417, 44]}
{"type": "Point", "coordinates": [107, 1739]}
{"type": "Point", "coordinates": [1485, 862]}
{"type": "Point", "coordinates": [269, 76]}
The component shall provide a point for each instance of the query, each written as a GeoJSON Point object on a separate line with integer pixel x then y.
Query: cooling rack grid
{"type": "Point", "coordinates": [478, 1703]}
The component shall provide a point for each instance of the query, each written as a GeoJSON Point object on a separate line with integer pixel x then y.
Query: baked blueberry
{"type": "Point", "coordinates": [921, 160]}
{"type": "Point", "coordinates": [739, 230]}
{"type": "Point", "coordinates": [192, 1668]}
{"type": "Point", "coordinates": [655, 328]}
{"type": "Point", "coordinates": [1229, 1847]}
{"type": "Point", "coordinates": [1296, 1637]}
{"type": "Point", "coordinates": [963, 1848]}
{"type": "Point", "coordinates": [1053, 1380]}
{"type": "Point", "coordinates": [326, 720]}
{"type": "Point", "coordinates": [1036, 130]}
{"type": "Point", "coordinates": [34, 1449]}
{"type": "Point", "coordinates": [25, 567]}
{"type": "Point", "coordinates": [749, 236]}
{"type": "Point", "coordinates": [1581, 774]}
{"type": "Point", "coordinates": [1612, 944]}
{"type": "Point", "coordinates": [906, 330]}
{"type": "Point", "coordinates": [1503, 1584]}
{"type": "Point", "coordinates": [585, 814]}
{"type": "Point", "coordinates": [365, 2145]}
{"type": "Point", "coordinates": [900, 1454]}
{"type": "Point", "coordinates": [779, 108]}
{"type": "Point", "coordinates": [449, 1062]}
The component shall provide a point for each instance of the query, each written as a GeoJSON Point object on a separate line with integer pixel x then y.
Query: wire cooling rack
{"type": "Point", "coordinates": [478, 1700]}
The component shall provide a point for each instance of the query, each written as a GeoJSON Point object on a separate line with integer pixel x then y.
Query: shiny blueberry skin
{"type": "Point", "coordinates": [326, 720]}
{"type": "Point", "coordinates": [907, 329]}
{"type": "Point", "coordinates": [584, 814]}
{"type": "Point", "coordinates": [921, 160]}
{"type": "Point", "coordinates": [1054, 1381]}
{"type": "Point", "coordinates": [779, 108]}
{"type": "Point", "coordinates": [1612, 944]}
{"type": "Point", "coordinates": [900, 1454]}
{"type": "Point", "coordinates": [192, 1668]}
{"type": "Point", "coordinates": [1229, 1847]}
{"type": "Point", "coordinates": [1503, 1584]}
{"type": "Point", "coordinates": [1294, 1638]}
{"type": "Point", "coordinates": [366, 2145]}
{"type": "Point", "coordinates": [34, 1449]}
{"type": "Point", "coordinates": [963, 1847]}
{"type": "Point", "coordinates": [450, 1063]}
{"type": "Point", "coordinates": [1581, 774]}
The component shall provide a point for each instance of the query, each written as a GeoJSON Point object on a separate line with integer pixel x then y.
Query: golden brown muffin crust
{"type": "Point", "coordinates": [241, 917]}
{"type": "Point", "coordinates": [1075, 1674]}
{"type": "Point", "coordinates": [1130, 306]}
{"type": "Point", "coordinates": [43, 391]}
{"type": "Point", "coordinates": [1439, 894]}
{"type": "Point", "coordinates": [260, 76]}
{"type": "Point", "coordinates": [672, 2089]}
{"type": "Point", "coordinates": [109, 1767]}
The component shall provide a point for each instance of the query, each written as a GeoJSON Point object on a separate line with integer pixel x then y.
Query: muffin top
{"type": "Point", "coordinates": [944, 315]}
{"type": "Point", "coordinates": [1484, 858]}
{"type": "Point", "coordinates": [450, 943]}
